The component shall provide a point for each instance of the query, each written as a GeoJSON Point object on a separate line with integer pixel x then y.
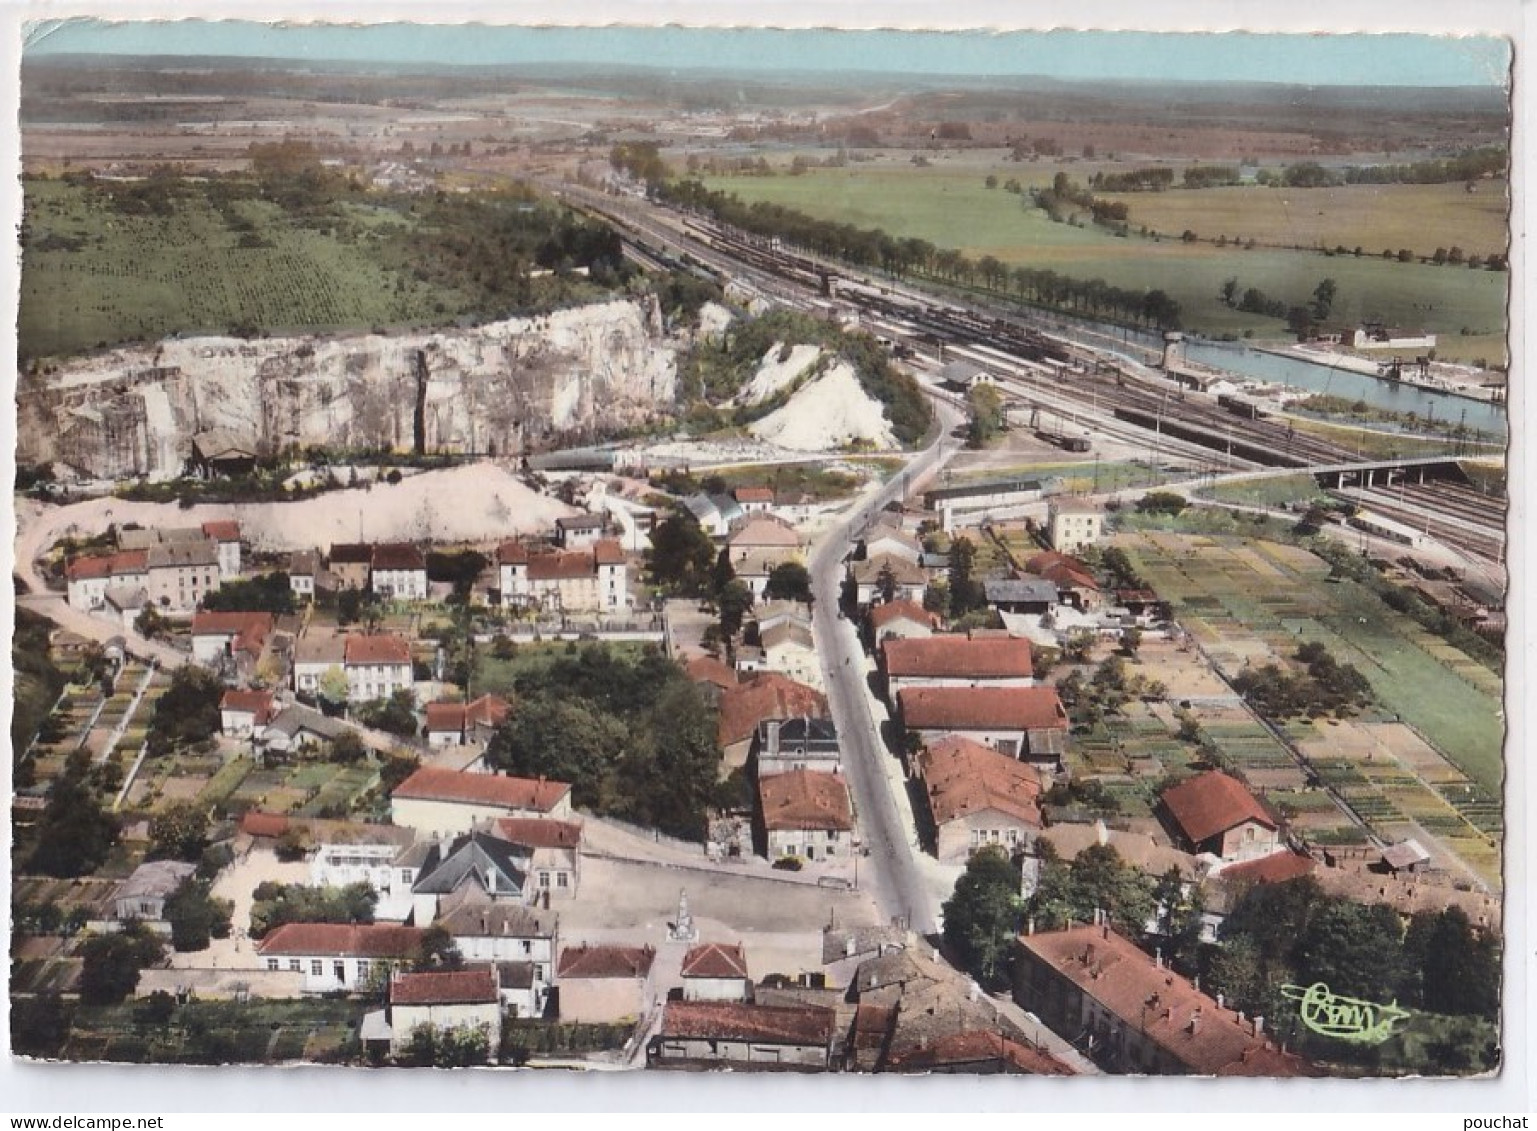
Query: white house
{"type": "Point", "coordinates": [788, 648]}
{"type": "Point", "coordinates": [506, 933]}
{"type": "Point", "coordinates": [438, 802]}
{"type": "Point", "coordinates": [314, 656]}
{"type": "Point", "coordinates": [144, 893]}
{"type": "Point", "coordinates": [1072, 524]}
{"type": "Point", "coordinates": [89, 578]}
{"type": "Point", "coordinates": [225, 535]}
{"type": "Point", "coordinates": [220, 635]}
{"type": "Point", "coordinates": [375, 855]}
{"type": "Point", "coordinates": [377, 666]}
{"type": "Point", "coordinates": [245, 714]}
{"type": "Point", "coordinates": [716, 972]}
{"type": "Point", "coordinates": [338, 956]}
{"type": "Point", "coordinates": [303, 567]}
{"type": "Point", "coordinates": [448, 999]}
{"type": "Point", "coordinates": [955, 660]}
{"type": "Point", "coordinates": [397, 571]}
{"type": "Point", "coordinates": [571, 581]}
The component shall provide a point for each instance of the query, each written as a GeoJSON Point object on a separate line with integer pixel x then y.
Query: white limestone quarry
{"type": "Point", "coordinates": [501, 388]}
{"type": "Point", "coordinates": [828, 414]}
{"type": "Point", "coordinates": [781, 366]}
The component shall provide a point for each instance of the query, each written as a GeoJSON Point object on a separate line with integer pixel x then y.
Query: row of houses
{"type": "Point", "coordinates": [170, 570]}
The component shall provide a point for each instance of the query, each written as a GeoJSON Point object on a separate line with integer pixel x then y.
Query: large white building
{"type": "Point", "coordinates": [594, 580]}
{"type": "Point", "coordinates": [442, 803]}
{"type": "Point", "coordinates": [377, 667]}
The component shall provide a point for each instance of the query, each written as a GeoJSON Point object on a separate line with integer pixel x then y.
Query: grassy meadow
{"type": "Point", "coordinates": [952, 207]}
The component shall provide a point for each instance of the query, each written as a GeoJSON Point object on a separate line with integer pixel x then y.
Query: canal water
{"type": "Point", "coordinates": [1391, 395]}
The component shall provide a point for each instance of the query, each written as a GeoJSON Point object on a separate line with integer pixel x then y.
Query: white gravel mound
{"type": "Point", "coordinates": [828, 414]}
{"type": "Point", "coordinates": [774, 374]}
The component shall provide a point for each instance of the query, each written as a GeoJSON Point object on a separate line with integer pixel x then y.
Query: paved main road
{"type": "Point", "coordinates": [890, 870]}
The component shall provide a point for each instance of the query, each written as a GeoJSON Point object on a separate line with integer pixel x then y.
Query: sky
{"type": "Point", "coordinates": [1388, 60]}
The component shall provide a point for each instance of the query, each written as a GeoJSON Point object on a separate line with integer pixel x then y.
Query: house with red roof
{"type": "Point", "coordinates": [1213, 812]}
{"type": "Point", "coordinates": [957, 660]}
{"type": "Point", "coordinates": [978, 1052]}
{"type": "Point", "coordinates": [441, 803]}
{"type": "Point", "coordinates": [338, 956]}
{"type": "Point", "coordinates": [977, 797]}
{"type": "Point", "coordinates": [449, 999]}
{"type": "Point", "coordinates": [1093, 986]}
{"type": "Point", "coordinates": [1074, 580]}
{"type": "Point", "coordinates": [805, 813]}
{"type": "Point", "coordinates": [377, 665]}
{"type": "Point", "coordinates": [398, 571]}
{"type": "Point", "coordinates": [767, 695]}
{"type": "Point", "coordinates": [737, 1035]}
{"type": "Point", "coordinates": [1028, 723]}
{"type": "Point", "coordinates": [716, 972]}
{"type": "Point", "coordinates": [89, 578]}
{"type": "Point", "coordinates": [900, 618]}
{"type": "Point", "coordinates": [225, 535]}
{"type": "Point", "coordinates": [713, 675]}
{"type": "Point", "coordinates": [594, 579]}
{"type": "Point", "coordinates": [465, 724]}
{"type": "Point", "coordinates": [245, 714]}
{"type": "Point", "coordinates": [555, 868]}
{"type": "Point", "coordinates": [604, 983]}
{"type": "Point", "coordinates": [221, 636]}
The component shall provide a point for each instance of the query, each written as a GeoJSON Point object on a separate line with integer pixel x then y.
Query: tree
{"type": "Point", "coordinates": [39, 1025]}
{"type": "Point", "coordinates": [1460, 966]}
{"type": "Point", "coordinates": [436, 951]}
{"type": "Point", "coordinates": [681, 555]}
{"type": "Point", "coordinates": [1131, 640]}
{"type": "Point", "coordinates": [188, 712]}
{"type": "Point", "coordinates": [348, 748]}
{"type": "Point", "coordinates": [273, 904]}
{"type": "Point", "coordinates": [334, 688]}
{"type": "Point", "coordinates": [987, 419]}
{"type": "Point", "coordinates": [788, 581]}
{"type": "Point", "coordinates": [966, 593]}
{"type": "Point", "coordinates": [1354, 949]}
{"type": "Point", "coordinates": [1229, 291]}
{"type": "Point", "coordinates": [397, 714]}
{"type": "Point", "coordinates": [196, 916]}
{"type": "Point", "coordinates": [981, 917]}
{"type": "Point", "coordinates": [1162, 502]}
{"type": "Point", "coordinates": [457, 1046]}
{"type": "Point", "coordinates": [735, 601]}
{"type": "Point", "coordinates": [1078, 647]}
{"type": "Point", "coordinates": [75, 834]}
{"type": "Point", "coordinates": [150, 624]}
{"type": "Point", "coordinates": [111, 964]}
{"type": "Point", "coordinates": [1323, 299]}
{"type": "Point", "coordinates": [178, 832]}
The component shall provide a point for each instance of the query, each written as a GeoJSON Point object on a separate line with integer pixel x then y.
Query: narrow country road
{"type": "Point", "coordinates": [889, 871]}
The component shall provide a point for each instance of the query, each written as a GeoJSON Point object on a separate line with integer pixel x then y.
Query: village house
{"type": "Point", "coordinates": [441, 803]}
{"type": "Point", "coordinates": [1215, 813]}
{"type": "Point", "coordinates": [245, 714]}
{"type": "Point", "coordinates": [316, 653]}
{"type": "Point", "coordinates": [766, 696]}
{"type": "Point", "coordinates": [124, 604]}
{"type": "Point", "coordinates": [1024, 595]}
{"type": "Point", "coordinates": [783, 745]}
{"type": "Point", "coordinates": [555, 866]}
{"type": "Point", "coordinates": [377, 666]}
{"type": "Point", "coordinates": [476, 862]}
{"type": "Point", "coordinates": [1028, 723]}
{"type": "Point", "coordinates": [713, 675]}
{"type": "Point", "coordinates": [520, 940]}
{"type": "Point", "coordinates": [594, 580]}
{"type": "Point", "coordinates": [298, 729]}
{"type": "Point", "coordinates": [465, 724]}
{"type": "Point", "coordinates": [180, 574]}
{"type": "Point", "coordinates": [885, 539]}
{"type": "Point", "coordinates": [789, 649]}
{"type": "Point", "coordinates": [716, 972]}
{"type": "Point", "coordinates": [754, 500]}
{"type": "Point", "coordinates": [1074, 581]}
{"type": "Point", "coordinates": [236, 638]}
{"type": "Point", "coordinates": [355, 853]}
{"type": "Point", "coordinates": [978, 498]}
{"type": "Point", "coordinates": [887, 577]}
{"type": "Point", "coordinates": [303, 570]}
{"type": "Point", "coordinates": [1137, 1015]}
{"type": "Point", "coordinates": [713, 513]}
{"type": "Point", "coordinates": [338, 956]}
{"type": "Point", "coordinates": [957, 661]}
{"type": "Point", "coordinates": [804, 813]}
{"type": "Point", "coordinates": [765, 534]}
{"type": "Point", "coordinates": [398, 571]}
{"type": "Point", "coordinates": [225, 535]}
{"type": "Point", "coordinates": [754, 568]}
{"type": "Point", "coordinates": [904, 619]}
{"type": "Point", "coordinates": [977, 797]}
{"type": "Point", "coordinates": [1072, 524]}
{"type": "Point", "coordinates": [143, 894]}
{"type": "Point", "coordinates": [580, 531]}
{"type": "Point", "coordinates": [977, 1052]}
{"type": "Point", "coordinates": [349, 563]}
{"type": "Point", "coordinates": [454, 999]}
{"type": "Point", "coordinates": [695, 1034]}
{"type": "Point", "coordinates": [604, 984]}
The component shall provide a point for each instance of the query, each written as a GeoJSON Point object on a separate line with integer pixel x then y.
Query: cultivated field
{"type": "Point", "coordinates": [956, 210]}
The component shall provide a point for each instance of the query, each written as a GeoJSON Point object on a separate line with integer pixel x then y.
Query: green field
{"type": "Point", "coordinates": [209, 1032]}
{"type": "Point", "coordinates": [954, 209]}
{"type": "Point", "coordinates": [138, 277]}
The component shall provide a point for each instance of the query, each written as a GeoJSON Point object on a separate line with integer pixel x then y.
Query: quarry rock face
{"type": "Point", "coordinates": [504, 388]}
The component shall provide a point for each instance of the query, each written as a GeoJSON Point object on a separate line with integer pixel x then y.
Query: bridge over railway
{"type": "Point", "coordinates": [1363, 473]}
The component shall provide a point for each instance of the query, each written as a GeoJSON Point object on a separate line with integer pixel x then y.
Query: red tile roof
{"type": "Point", "coordinates": [108, 565]}
{"type": "Point", "coordinates": [397, 555]}
{"type": "Point", "coordinates": [381, 648]}
{"type": "Point", "coordinates": [1067, 572]}
{"type": "Point", "coordinates": [604, 962]}
{"type": "Point", "coordinates": [735, 1021]}
{"type": "Point", "coordinates": [1277, 868]}
{"type": "Point", "coordinates": [709, 669]}
{"type": "Point", "coordinates": [608, 552]}
{"type": "Point", "coordinates": [258, 703]}
{"type": "Point", "coordinates": [764, 530]}
{"type": "Point", "coordinates": [963, 777]}
{"type": "Point", "coordinates": [248, 631]}
{"type": "Point", "coordinates": [454, 987]}
{"type": "Point", "coordinates": [768, 695]}
{"type": "Point", "coordinates": [754, 494]}
{"type": "Point", "coordinates": [256, 823]}
{"type": "Point", "coordinates": [805, 799]}
{"type": "Point", "coordinates": [488, 710]}
{"type": "Point", "coordinates": [1159, 1004]}
{"type": "Point", "coordinates": [536, 832]}
{"type": "Point", "coordinates": [715, 960]}
{"type": "Point", "coordinates": [981, 708]}
{"type": "Point", "coordinates": [350, 553]}
{"type": "Point", "coordinates": [222, 530]}
{"type": "Point", "coordinates": [978, 1046]}
{"type": "Point", "coordinates": [430, 784]}
{"type": "Point", "coordinates": [958, 657]}
{"type": "Point", "coordinates": [338, 940]}
{"type": "Point", "coordinates": [883, 614]}
{"type": "Point", "coordinates": [1209, 804]}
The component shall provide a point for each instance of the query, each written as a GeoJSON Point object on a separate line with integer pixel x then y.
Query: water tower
{"type": "Point", "coordinates": [1173, 351]}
